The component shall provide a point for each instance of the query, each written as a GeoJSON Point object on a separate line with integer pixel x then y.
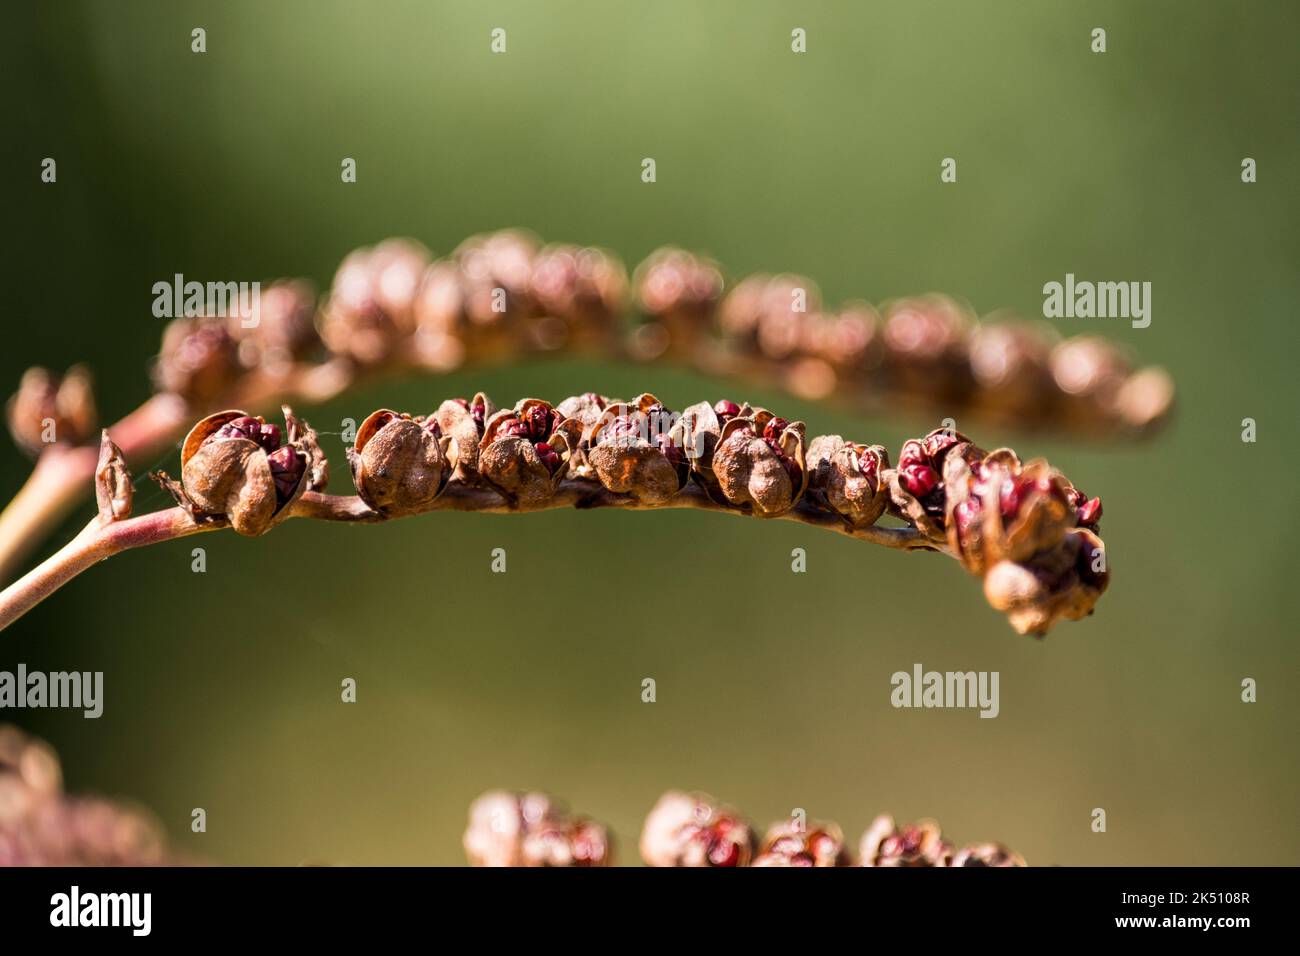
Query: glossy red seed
{"type": "Point", "coordinates": [772, 430]}
{"type": "Point", "coordinates": [918, 480]}
{"type": "Point", "coordinates": [725, 410]}
{"type": "Point", "coordinates": [724, 853]}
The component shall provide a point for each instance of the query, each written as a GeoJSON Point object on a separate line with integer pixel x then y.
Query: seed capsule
{"type": "Point", "coordinates": [199, 360]}
{"type": "Point", "coordinates": [464, 421]}
{"type": "Point", "coordinates": [691, 830]}
{"type": "Point", "coordinates": [530, 830]}
{"type": "Point", "coordinates": [637, 449]}
{"type": "Point", "coordinates": [508, 457]}
{"type": "Point", "coordinates": [233, 466]}
{"type": "Point", "coordinates": [849, 478]}
{"type": "Point", "coordinates": [1062, 583]}
{"type": "Point", "coordinates": [759, 463]}
{"type": "Point", "coordinates": [399, 464]}
{"type": "Point", "coordinates": [916, 487]}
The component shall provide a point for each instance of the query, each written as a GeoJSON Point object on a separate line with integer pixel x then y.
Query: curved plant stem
{"type": "Point", "coordinates": [101, 539]}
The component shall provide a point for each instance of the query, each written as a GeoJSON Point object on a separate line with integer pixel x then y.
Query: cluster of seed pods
{"type": "Point", "coordinates": [1024, 528]}
{"type": "Point", "coordinates": [40, 825]}
{"type": "Point", "coordinates": [505, 295]}
{"type": "Point", "coordinates": [694, 830]}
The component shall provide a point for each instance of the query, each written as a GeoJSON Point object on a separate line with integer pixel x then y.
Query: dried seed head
{"type": "Point", "coordinates": [637, 449]}
{"type": "Point", "coordinates": [525, 830]}
{"type": "Point", "coordinates": [113, 491]}
{"type": "Point", "coordinates": [370, 309]}
{"type": "Point", "coordinates": [1062, 583]}
{"type": "Point", "coordinates": [583, 287]}
{"type": "Point", "coordinates": [285, 331]}
{"type": "Point", "coordinates": [508, 456]}
{"type": "Point", "coordinates": [199, 360]}
{"type": "Point", "coordinates": [399, 464]}
{"type": "Point", "coordinates": [987, 854]}
{"type": "Point", "coordinates": [232, 466]}
{"type": "Point", "coordinates": [999, 509]}
{"type": "Point", "coordinates": [47, 410]}
{"type": "Point", "coordinates": [918, 845]}
{"type": "Point", "coordinates": [849, 478]}
{"type": "Point", "coordinates": [464, 421]}
{"type": "Point", "coordinates": [691, 830]}
{"type": "Point", "coordinates": [798, 844]}
{"type": "Point", "coordinates": [759, 462]}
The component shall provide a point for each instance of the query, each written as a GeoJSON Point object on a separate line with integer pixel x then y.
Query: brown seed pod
{"type": "Point", "coordinates": [579, 291]}
{"type": "Point", "coordinates": [638, 449]}
{"type": "Point", "coordinates": [464, 421]}
{"type": "Point", "coordinates": [1062, 583]}
{"type": "Point", "coordinates": [679, 291]}
{"type": "Point", "coordinates": [525, 452]}
{"type": "Point", "coordinates": [692, 830]}
{"type": "Point", "coordinates": [234, 466]}
{"type": "Point", "coordinates": [399, 464]}
{"type": "Point", "coordinates": [759, 463]}
{"type": "Point", "coordinates": [47, 409]}
{"type": "Point", "coordinates": [113, 491]}
{"type": "Point", "coordinates": [915, 845]}
{"type": "Point", "coordinates": [796, 843]}
{"type": "Point", "coordinates": [849, 478]}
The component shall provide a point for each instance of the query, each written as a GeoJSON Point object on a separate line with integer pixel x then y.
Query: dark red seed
{"type": "Point", "coordinates": [513, 428]}
{"type": "Point", "coordinates": [869, 464]}
{"type": "Point", "coordinates": [549, 456]}
{"type": "Point", "coordinates": [287, 466]}
{"type": "Point", "coordinates": [726, 410]}
{"type": "Point", "coordinates": [918, 480]}
{"type": "Point", "coordinates": [432, 427]}
{"type": "Point", "coordinates": [772, 430]}
{"type": "Point", "coordinates": [936, 443]}
{"type": "Point", "coordinates": [1090, 512]}
{"type": "Point", "coordinates": [539, 422]}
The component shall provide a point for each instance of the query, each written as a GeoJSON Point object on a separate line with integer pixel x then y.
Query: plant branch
{"type": "Point", "coordinates": [100, 539]}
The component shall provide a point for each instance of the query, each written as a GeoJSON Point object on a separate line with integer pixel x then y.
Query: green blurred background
{"type": "Point", "coordinates": [222, 690]}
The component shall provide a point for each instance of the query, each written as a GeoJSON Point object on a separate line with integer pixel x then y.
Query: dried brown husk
{"type": "Point", "coordinates": [398, 466]}
{"type": "Point", "coordinates": [749, 472]}
{"type": "Point", "coordinates": [837, 481]}
{"type": "Point", "coordinates": [231, 477]}
{"type": "Point", "coordinates": [113, 490]}
{"type": "Point", "coordinates": [629, 464]}
{"type": "Point", "coordinates": [458, 424]}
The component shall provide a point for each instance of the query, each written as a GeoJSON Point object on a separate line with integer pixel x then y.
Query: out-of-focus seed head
{"type": "Point", "coordinates": [47, 410]}
{"type": "Point", "coordinates": [915, 845]}
{"type": "Point", "coordinates": [691, 830]}
{"type": "Point", "coordinates": [284, 329]}
{"type": "Point", "coordinates": [794, 843]}
{"type": "Point", "coordinates": [199, 360]}
{"type": "Point", "coordinates": [529, 830]}
{"type": "Point", "coordinates": [1062, 583]}
{"type": "Point", "coordinates": [399, 464]}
